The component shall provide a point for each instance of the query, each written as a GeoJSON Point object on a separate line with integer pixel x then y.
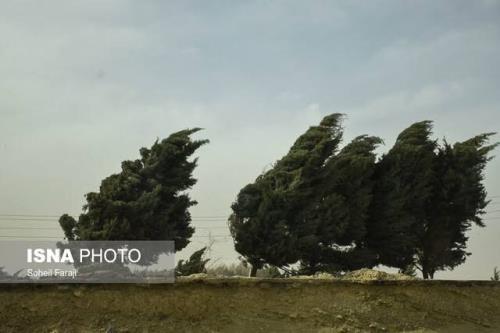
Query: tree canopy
{"type": "Point", "coordinates": [338, 209]}
{"type": "Point", "coordinates": [311, 206]}
{"type": "Point", "coordinates": [403, 187]}
{"type": "Point", "coordinates": [194, 265]}
{"type": "Point", "coordinates": [333, 220]}
{"type": "Point", "coordinates": [264, 223]}
{"type": "Point", "coordinates": [457, 201]}
{"type": "Point", "coordinates": [426, 198]}
{"type": "Point", "coordinates": [147, 200]}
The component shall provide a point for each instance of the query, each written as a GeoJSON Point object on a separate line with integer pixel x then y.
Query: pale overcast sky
{"type": "Point", "coordinates": [85, 84]}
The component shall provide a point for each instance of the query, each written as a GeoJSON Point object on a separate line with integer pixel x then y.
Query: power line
{"type": "Point", "coordinates": [36, 219]}
{"type": "Point", "coordinates": [211, 216]}
{"type": "Point", "coordinates": [23, 219]}
{"type": "Point", "coordinates": [57, 216]}
{"type": "Point", "coordinates": [29, 228]}
{"type": "Point", "coordinates": [199, 227]}
{"type": "Point", "coordinates": [61, 238]}
{"type": "Point", "coordinates": [29, 215]}
{"type": "Point", "coordinates": [196, 236]}
{"type": "Point", "coordinates": [31, 237]}
{"type": "Point", "coordinates": [58, 228]}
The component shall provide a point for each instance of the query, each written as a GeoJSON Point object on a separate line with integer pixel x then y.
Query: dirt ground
{"type": "Point", "coordinates": [254, 305]}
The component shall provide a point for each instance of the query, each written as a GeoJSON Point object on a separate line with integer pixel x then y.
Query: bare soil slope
{"type": "Point", "coordinates": [254, 305]}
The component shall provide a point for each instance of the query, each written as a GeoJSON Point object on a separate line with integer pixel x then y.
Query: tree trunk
{"type": "Point", "coordinates": [253, 271]}
{"type": "Point", "coordinates": [428, 273]}
{"type": "Point", "coordinates": [425, 272]}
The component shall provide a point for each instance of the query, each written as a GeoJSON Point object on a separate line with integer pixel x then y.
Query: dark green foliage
{"type": "Point", "coordinates": [458, 200]}
{"type": "Point", "coordinates": [404, 178]}
{"type": "Point", "coordinates": [426, 198]}
{"type": "Point", "coordinates": [311, 206]}
{"type": "Point", "coordinates": [264, 223]}
{"type": "Point", "coordinates": [68, 224]}
{"type": "Point", "coordinates": [147, 200]}
{"type": "Point", "coordinates": [195, 264]}
{"type": "Point", "coordinates": [336, 210]}
{"type": "Point", "coordinates": [334, 217]}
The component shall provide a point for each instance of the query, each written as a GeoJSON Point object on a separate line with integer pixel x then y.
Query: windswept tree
{"type": "Point", "coordinates": [457, 202]}
{"type": "Point", "coordinates": [333, 227]}
{"type": "Point", "coordinates": [403, 189]}
{"type": "Point", "coordinates": [427, 196]}
{"type": "Point", "coordinates": [496, 275]}
{"type": "Point", "coordinates": [264, 223]}
{"type": "Point", "coordinates": [147, 200]}
{"type": "Point", "coordinates": [196, 264]}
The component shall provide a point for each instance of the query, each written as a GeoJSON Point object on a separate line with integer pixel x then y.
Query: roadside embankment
{"type": "Point", "coordinates": [254, 305]}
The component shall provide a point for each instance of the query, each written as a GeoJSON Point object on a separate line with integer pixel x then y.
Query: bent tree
{"type": "Point", "coordinates": [426, 197]}
{"type": "Point", "coordinates": [265, 222]}
{"type": "Point", "coordinates": [147, 200]}
{"type": "Point", "coordinates": [311, 206]}
{"type": "Point", "coordinates": [333, 209]}
{"type": "Point", "coordinates": [334, 215]}
{"type": "Point", "coordinates": [403, 188]}
{"type": "Point", "coordinates": [457, 202]}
